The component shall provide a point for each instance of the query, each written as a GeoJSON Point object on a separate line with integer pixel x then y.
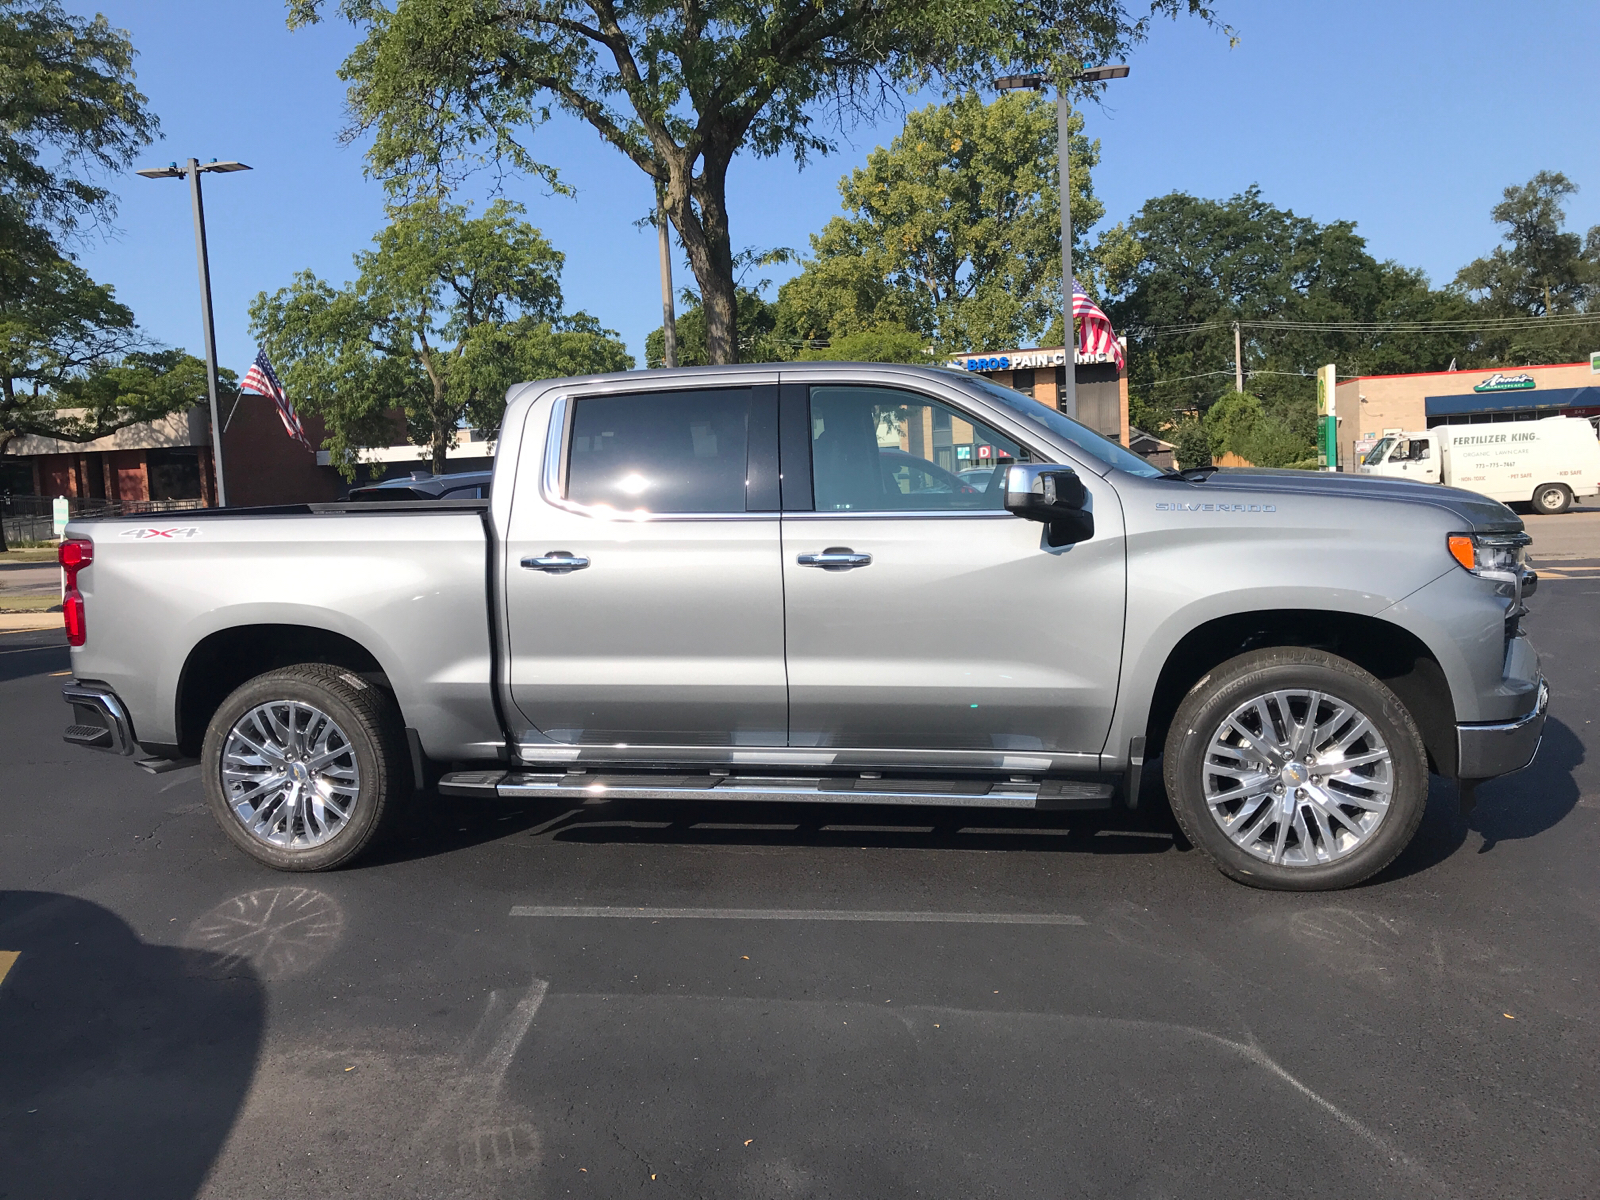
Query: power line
{"type": "Point", "coordinates": [1455, 325]}
{"type": "Point", "coordinates": [1182, 378]}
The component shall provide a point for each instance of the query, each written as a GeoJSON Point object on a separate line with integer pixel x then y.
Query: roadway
{"type": "Point", "coordinates": [1109, 1017]}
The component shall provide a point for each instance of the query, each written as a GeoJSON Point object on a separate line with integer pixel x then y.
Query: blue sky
{"type": "Point", "coordinates": [1408, 118]}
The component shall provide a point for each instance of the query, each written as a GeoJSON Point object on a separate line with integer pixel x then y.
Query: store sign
{"type": "Point", "coordinates": [1023, 360]}
{"type": "Point", "coordinates": [1506, 383]}
{"type": "Point", "coordinates": [1327, 418]}
{"type": "Point", "coordinates": [1594, 363]}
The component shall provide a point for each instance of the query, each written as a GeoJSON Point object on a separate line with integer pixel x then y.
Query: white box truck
{"type": "Point", "coordinates": [1546, 463]}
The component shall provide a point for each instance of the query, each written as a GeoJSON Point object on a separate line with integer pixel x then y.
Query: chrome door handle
{"type": "Point", "coordinates": [835, 558]}
{"type": "Point", "coordinates": [557, 562]}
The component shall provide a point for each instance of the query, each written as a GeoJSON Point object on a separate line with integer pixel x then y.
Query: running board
{"type": "Point", "coordinates": [1058, 794]}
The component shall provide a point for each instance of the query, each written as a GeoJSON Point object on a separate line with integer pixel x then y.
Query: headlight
{"type": "Point", "coordinates": [1485, 552]}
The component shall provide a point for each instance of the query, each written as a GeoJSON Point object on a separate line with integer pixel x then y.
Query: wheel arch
{"type": "Point", "coordinates": [226, 658]}
{"type": "Point", "coordinates": [1393, 654]}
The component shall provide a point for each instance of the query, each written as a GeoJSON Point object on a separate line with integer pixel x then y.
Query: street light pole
{"type": "Point", "coordinates": [192, 172]}
{"type": "Point", "coordinates": [1067, 400]}
{"type": "Point", "coordinates": [669, 323]}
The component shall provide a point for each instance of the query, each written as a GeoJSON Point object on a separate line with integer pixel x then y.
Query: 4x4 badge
{"type": "Point", "coordinates": [176, 531]}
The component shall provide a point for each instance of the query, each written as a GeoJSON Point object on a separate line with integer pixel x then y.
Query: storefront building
{"type": "Point", "coordinates": [161, 463]}
{"type": "Point", "coordinates": [1368, 405]}
{"type": "Point", "coordinates": [167, 464]}
{"type": "Point", "coordinates": [1102, 386]}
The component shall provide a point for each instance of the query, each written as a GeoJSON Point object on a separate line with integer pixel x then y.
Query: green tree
{"type": "Point", "coordinates": [681, 88]}
{"type": "Point", "coordinates": [68, 109]}
{"type": "Point", "coordinates": [756, 322]}
{"type": "Point", "coordinates": [73, 365]}
{"type": "Point", "coordinates": [1239, 423]}
{"type": "Point", "coordinates": [953, 231]}
{"type": "Point", "coordinates": [446, 313]}
{"type": "Point", "coordinates": [1184, 269]}
{"type": "Point", "coordinates": [1192, 444]}
{"type": "Point", "coordinates": [1542, 270]}
{"type": "Point", "coordinates": [881, 343]}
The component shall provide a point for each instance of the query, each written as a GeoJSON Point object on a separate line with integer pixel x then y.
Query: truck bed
{"type": "Point", "coordinates": [405, 581]}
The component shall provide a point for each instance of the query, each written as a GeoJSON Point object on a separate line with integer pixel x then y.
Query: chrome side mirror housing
{"type": "Point", "coordinates": [1051, 494]}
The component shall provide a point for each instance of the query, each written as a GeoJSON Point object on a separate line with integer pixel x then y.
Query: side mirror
{"type": "Point", "coordinates": [1053, 495]}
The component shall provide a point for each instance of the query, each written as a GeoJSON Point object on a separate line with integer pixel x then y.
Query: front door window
{"type": "Point", "coordinates": [884, 450]}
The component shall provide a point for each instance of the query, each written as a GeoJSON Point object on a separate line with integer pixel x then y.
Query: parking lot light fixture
{"type": "Point", "coordinates": [1067, 401]}
{"type": "Point", "coordinates": [192, 171]}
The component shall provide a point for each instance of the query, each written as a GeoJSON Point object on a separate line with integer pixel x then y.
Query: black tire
{"type": "Point", "coordinates": [1552, 498]}
{"type": "Point", "coordinates": [1236, 682]}
{"type": "Point", "coordinates": [370, 723]}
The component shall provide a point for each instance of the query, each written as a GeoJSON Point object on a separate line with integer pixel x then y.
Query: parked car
{"type": "Point", "coordinates": [709, 584]}
{"type": "Point", "coordinates": [977, 477]}
{"type": "Point", "coordinates": [421, 485]}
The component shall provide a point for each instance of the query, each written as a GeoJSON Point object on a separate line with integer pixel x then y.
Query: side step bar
{"type": "Point", "coordinates": [1058, 794]}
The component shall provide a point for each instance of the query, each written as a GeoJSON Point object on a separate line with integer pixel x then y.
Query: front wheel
{"type": "Point", "coordinates": [302, 765]}
{"type": "Point", "coordinates": [1295, 769]}
{"type": "Point", "coordinates": [1550, 498]}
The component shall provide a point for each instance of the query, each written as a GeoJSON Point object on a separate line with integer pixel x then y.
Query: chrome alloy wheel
{"type": "Point", "coordinates": [1298, 778]}
{"type": "Point", "coordinates": [289, 774]}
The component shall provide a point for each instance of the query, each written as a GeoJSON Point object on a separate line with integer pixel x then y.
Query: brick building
{"type": "Point", "coordinates": [167, 463]}
{"type": "Point", "coordinates": [1369, 404]}
{"type": "Point", "coordinates": [165, 460]}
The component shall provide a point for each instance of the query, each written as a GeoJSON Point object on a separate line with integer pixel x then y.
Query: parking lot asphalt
{"type": "Point", "coordinates": [516, 1000]}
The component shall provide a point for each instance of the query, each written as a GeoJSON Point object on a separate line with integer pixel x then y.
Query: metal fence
{"type": "Point", "coordinates": [32, 518]}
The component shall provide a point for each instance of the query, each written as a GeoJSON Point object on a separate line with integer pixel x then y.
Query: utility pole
{"type": "Point", "coordinates": [192, 172]}
{"type": "Point", "coordinates": [669, 320]}
{"type": "Point", "coordinates": [1238, 360]}
{"type": "Point", "coordinates": [1067, 401]}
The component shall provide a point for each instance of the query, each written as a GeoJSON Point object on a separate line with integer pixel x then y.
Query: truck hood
{"type": "Point", "coordinates": [1477, 512]}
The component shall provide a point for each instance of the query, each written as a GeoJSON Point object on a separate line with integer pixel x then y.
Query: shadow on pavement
{"type": "Point", "coordinates": [440, 825]}
{"type": "Point", "coordinates": [125, 1063]}
{"type": "Point", "coordinates": [33, 652]}
{"type": "Point", "coordinates": [1512, 808]}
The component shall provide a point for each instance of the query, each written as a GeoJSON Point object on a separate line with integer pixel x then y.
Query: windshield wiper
{"type": "Point", "coordinates": [1191, 474]}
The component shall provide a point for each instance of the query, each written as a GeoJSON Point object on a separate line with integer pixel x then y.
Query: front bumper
{"type": "Point", "coordinates": [1485, 751]}
{"type": "Point", "coordinates": [99, 721]}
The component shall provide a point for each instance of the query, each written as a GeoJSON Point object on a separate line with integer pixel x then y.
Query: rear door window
{"type": "Point", "coordinates": [661, 452]}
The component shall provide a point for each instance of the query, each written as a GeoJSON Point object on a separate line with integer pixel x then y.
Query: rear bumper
{"type": "Point", "coordinates": [99, 720]}
{"type": "Point", "coordinates": [1485, 751]}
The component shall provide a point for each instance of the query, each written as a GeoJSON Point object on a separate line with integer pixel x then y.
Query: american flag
{"type": "Point", "coordinates": [1098, 336]}
{"type": "Point", "coordinates": [262, 379]}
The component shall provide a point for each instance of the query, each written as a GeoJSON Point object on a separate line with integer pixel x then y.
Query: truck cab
{"type": "Point", "coordinates": [1413, 456]}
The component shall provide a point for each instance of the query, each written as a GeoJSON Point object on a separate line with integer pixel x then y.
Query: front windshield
{"type": "Point", "coordinates": [1095, 445]}
{"type": "Point", "coordinates": [1375, 455]}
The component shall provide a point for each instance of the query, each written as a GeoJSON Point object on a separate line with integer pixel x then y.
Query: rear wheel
{"type": "Point", "coordinates": [1294, 769]}
{"type": "Point", "coordinates": [1552, 498]}
{"type": "Point", "coordinates": [302, 766]}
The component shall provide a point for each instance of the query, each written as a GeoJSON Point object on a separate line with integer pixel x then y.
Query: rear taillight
{"type": "Point", "coordinates": [74, 555]}
{"type": "Point", "coordinates": [72, 615]}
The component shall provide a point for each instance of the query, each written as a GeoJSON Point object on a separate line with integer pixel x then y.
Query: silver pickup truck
{"type": "Point", "coordinates": [830, 582]}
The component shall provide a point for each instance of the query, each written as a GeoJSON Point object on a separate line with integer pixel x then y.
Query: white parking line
{"type": "Point", "coordinates": [794, 914]}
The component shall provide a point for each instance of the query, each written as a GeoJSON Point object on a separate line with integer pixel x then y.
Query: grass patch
{"type": "Point", "coordinates": [29, 604]}
{"type": "Point", "coordinates": [29, 554]}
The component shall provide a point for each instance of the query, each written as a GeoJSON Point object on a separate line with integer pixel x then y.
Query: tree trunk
{"type": "Point", "coordinates": [705, 238]}
{"type": "Point", "coordinates": [443, 435]}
